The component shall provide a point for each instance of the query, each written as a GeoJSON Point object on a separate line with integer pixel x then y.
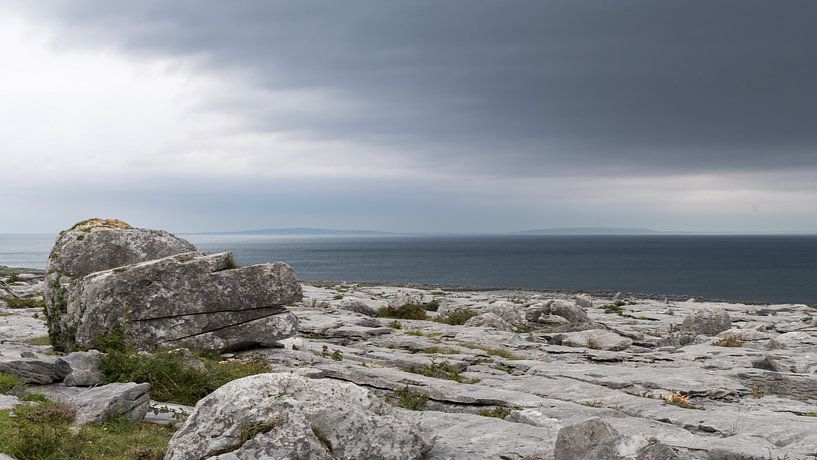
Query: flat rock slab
{"type": "Point", "coordinates": [468, 436]}
{"type": "Point", "coordinates": [40, 370]}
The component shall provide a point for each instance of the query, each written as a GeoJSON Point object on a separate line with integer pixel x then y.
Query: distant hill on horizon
{"type": "Point", "coordinates": [298, 231]}
{"type": "Point", "coordinates": [588, 231]}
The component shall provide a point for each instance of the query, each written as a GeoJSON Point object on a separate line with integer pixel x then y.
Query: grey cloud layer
{"type": "Point", "coordinates": [510, 88]}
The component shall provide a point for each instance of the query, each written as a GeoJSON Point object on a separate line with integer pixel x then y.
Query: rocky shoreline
{"type": "Point", "coordinates": [398, 372]}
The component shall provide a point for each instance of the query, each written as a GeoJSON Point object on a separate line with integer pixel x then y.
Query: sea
{"type": "Point", "coordinates": [775, 269]}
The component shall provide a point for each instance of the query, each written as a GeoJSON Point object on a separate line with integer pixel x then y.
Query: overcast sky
{"type": "Point", "coordinates": [437, 116]}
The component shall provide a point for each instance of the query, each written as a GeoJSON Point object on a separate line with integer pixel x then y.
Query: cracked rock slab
{"type": "Point", "coordinates": [192, 300]}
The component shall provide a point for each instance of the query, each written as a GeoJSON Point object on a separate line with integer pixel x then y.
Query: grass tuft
{"type": "Point", "coordinates": [8, 381]}
{"type": "Point", "coordinates": [411, 399]}
{"type": "Point", "coordinates": [442, 370]}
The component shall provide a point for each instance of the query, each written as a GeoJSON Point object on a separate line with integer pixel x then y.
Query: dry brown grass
{"type": "Point", "coordinates": [678, 399]}
{"type": "Point", "coordinates": [730, 341]}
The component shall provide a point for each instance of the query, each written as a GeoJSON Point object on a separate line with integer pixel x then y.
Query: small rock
{"type": "Point", "coordinates": [80, 369]}
{"type": "Point", "coordinates": [114, 399]}
{"type": "Point", "coordinates": [357, 306]}
{"type": "Point", "coordinates": [707, 321]}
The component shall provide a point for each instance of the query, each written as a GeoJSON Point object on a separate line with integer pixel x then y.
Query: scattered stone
{"type": "Point", "coordinates": [707, 321]}
{"type": "Point", "coordinates": [357, 306]}
{"type": "Point", "coordinates": [114, 399]}
{"type": "Point", "coordinates": [80, 369]}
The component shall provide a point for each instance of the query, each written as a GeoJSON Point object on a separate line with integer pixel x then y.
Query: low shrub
{"type": "Point", "coordinates": [501, 352]}
{"type": "Point", "coordinates": [173, 375]}
{"type": "Point", "coordinates": [442, 370]}
{"type": "Point", "coordinates": [456, 318]}
{"type": "Point", "coordinates": [407, 311]}
{"type": "Point", "coordinates": [678, 399]}
{"type": "Point", "coordinates": [432, 306]}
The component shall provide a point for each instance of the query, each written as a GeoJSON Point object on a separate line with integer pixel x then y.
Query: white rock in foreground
{"type": "Point", "coordinates": [285, 416]}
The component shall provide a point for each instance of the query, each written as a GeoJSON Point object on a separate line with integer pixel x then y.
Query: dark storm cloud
{"type": "Point", "coordinates": [519, 88]}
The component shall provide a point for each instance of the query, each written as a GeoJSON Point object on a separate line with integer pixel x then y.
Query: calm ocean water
{"type": "Point", "coordinates": [751, 268]}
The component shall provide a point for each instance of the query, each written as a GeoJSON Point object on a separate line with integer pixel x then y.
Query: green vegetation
{"type": "Point", "coordinates": [336, 355]}
{"type": "Point", "coordinates": [396, 325]}
{"type": "Point", "coordinates": [593, 344]}
{"type": "Point", "coordinates": [442, 370]}
{"type": "Point", "coordinates": [456, 318]}
{"type": "Point", "coordinates": [411, 399]}
{"type": "Point", "coordinates": [432, 306]}
{"type": "Point", "coordinates": [407, 311]}
{"type": "Point", "coordinates": [42, 340]}
{"type": "Point", "coordinates": [616, 307]}
{"type": "Point", "coordinates": [41, 431]}
{"type": "Point", "coordinates": [415, 333]}
{"type": "Point", "coordinates": [29, 302]}
{"type": "Point", "coordinates": [338, 296]}
{"type": "Point", "coordinates": [498, 412]}
{"type": "Point", "coordinates": [173, 375]}
{"type": "Point", "coordinates": [8, 381]}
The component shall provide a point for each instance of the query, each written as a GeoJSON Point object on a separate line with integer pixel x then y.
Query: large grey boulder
{"type": "Point", "coordinates": [190, 300]}
{"type": "Point", "coordinates": [99, 404]}
{"type": "Point", "coordinates": [91, 246]}
{"type": "Point", "coordinates": [707, 321]}
{"type": "Point", "coordinates": [544, 313]}
{"type": "Point", "coordinates": [81, 369]}
{"type": "Point", "coordinates": [104, 275]}
{"type": "Point", "coordinates": [286, 416]}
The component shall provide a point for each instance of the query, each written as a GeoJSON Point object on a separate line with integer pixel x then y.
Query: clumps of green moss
{"type": "Point", "coordinates": [173, 375]}
{"type": "Point", "coordinates": [411, 399]}
{"type": "Point", "coordinates": [442, 370]}
{"type": "Point", "coordinates": [407, 311]}
{"type": "Point", "coordinates": [498, 412]}
{"type": "Point", "coordinates": [456, 318]}
{"type": "Point", "coordinates": [29, 302]}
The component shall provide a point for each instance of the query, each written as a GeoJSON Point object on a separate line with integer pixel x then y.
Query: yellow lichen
{"type": "Point", "coordinates": [90, 224]}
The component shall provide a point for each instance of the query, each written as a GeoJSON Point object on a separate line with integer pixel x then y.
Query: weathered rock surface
{"type": "Point", "coordinates": [80, 369]}
{"type": "Point", "coordinates": [595, 439]}
{"type": "Point", "coordinates": [92, 246]}
{"type": "Point", "coordinates": [114, 399]}
{"type": "Point", "coordinates": [107, 275]}
{"type": "Point", "coordinates": [286, 416]}
{"type": "Point", "coordinates": [191, 300]}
